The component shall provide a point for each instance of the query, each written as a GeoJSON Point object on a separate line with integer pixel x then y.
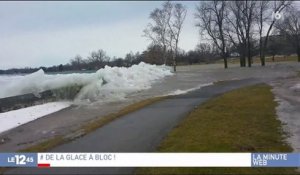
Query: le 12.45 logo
{"type": "Point", "coordinates": [20, 159]}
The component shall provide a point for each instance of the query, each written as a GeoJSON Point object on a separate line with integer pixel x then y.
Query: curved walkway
{"type": "Point", "coordinates": [140, 131]}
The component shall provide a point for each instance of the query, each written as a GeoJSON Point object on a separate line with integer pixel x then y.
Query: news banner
{"type": "Point", "coordinates": [46, 160]}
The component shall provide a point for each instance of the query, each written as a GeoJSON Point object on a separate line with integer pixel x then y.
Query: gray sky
{"type": "Point", "coordinates": [50, 33]}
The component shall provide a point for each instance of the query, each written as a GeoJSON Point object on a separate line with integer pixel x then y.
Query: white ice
{"type": "Point", "coordinates": [106, 83]}
{"type": "Point", "coordinates": [15, 118]}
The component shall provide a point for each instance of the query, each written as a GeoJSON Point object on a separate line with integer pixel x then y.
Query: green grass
{"type": "Point", "coordinates": [45, 145]}
{"type": "Point", "coordinates": [243, 120]}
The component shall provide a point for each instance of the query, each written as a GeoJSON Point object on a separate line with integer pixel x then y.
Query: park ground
{"type": "Point", "coordinates": [214, 126]}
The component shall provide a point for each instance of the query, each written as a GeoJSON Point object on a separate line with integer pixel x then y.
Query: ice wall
{"type": "Point", "coordinates": [106, 83]}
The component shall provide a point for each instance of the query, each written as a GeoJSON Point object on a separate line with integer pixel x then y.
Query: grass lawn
{"type": "Point", "coordinates": [243, 120]}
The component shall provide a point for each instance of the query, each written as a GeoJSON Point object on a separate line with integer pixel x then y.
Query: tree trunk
{"type": "Point", "coordinates": [174, 63]}
{"type": "Point", "coordinates": [273, 58]}
{"type": "Point", "coordinates": [173, 59]}
{"type": "Point", "coordinates": [175, 54]}
{"type": "Point", "coordinates": [225, 62]}
{"type": "Point", "coordinates": [164, 55]}
{"type": "Point", "coordinates": [243, 56]}
{"type": "Point", "coordinates": [249, 60]}
{"type": "Point", "coordinates": [261, 53]}
{"type": "Point", "coordinates": [263, 60]}
{"type": "Point", "coordinates": [266, 43]}
{"type": "Point", "coordinates": [224, 55]}
{"type": "Point", "coordinates": [249, 50]}
{"type": "Point", "coordinates": [298, 53]}
{"type": "Point", "coordinates": [241, 61]}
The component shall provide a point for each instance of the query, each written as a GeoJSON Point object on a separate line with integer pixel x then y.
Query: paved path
{"type": "Point", "coordinates": [140, 131]}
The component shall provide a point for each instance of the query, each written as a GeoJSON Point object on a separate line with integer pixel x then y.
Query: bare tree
{"type": "Point", "coordinates": [234, 30]}
{"type": "Point", "coordinates": [77, 62]}
{"type": "Point", "coordinates": [262, 15]}
{"type": "Point", "coordinates": [166, 28]}
{"type": "Point", "coordinates": [98, 58]}
{"type": "Point", "coordinates": [239, 28]}
{"type": "Point", "coordinates": [211, 19]}
{"type": "Point", "coordinates": [178, 14]}
{"type": "Point", "coordinates": [277, 8]}
{"type": "Point", "coordinates": [290, 27]}
{"type": "Point", "coordinates": [157, 31]}
{"type": "Point", "coordinates": [247, 20]}
{"type": "Point", "coordinates": [129, 58]}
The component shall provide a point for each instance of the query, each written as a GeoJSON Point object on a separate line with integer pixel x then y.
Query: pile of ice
{"type": "Point", "coordinates": [106, 83]}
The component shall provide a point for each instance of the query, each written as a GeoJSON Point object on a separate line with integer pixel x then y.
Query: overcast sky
{"type": "Point", "coordinates": [51, 33]}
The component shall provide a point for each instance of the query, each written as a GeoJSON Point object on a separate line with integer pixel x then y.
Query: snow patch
{"type": "Point", "coordinates": [12, 119]}
{"type": "Point", "coordinates": [179, 91]}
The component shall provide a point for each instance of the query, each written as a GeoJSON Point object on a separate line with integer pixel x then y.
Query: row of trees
{"type": "Point", "coordinates": [203, 53]}
{"type": "Point", "coordinates": [99, 59]}
{"type": "Point", "coordinates": [237, 25]}
{"type": "Point", "coordinates": [247, 28]}
{"type": "Point", "coordinates": [243, 27]}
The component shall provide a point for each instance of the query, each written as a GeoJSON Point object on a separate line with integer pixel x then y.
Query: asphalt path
{"type": "Point", "coordinates": [139, 131]}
